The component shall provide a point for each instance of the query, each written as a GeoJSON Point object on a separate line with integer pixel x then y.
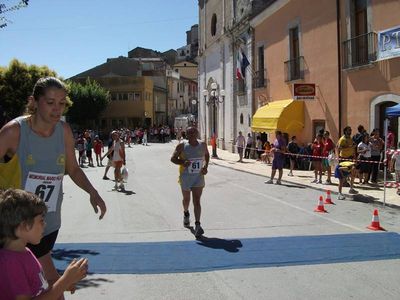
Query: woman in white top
{"type": "Point", "coordinates": [364, 155]}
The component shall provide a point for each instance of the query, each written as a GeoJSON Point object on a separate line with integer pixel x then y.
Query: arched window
{"type": "Point", "coordinates": [241, 118]}
{"type": "Point", "coordinates": [213, 24]}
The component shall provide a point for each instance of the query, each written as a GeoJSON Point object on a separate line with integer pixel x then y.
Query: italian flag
{"type": "Point", "coordinates": [239, 74]}
{"type": "Point", "coordinates": [241, 64]}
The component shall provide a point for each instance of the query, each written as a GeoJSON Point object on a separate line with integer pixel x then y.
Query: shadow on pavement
{"type": "Point", "coordinates": [127, 192]}
{"type": "Point", "coordinates": [364, 198]}
{"type": "Point", "coordinates": [216, 243]}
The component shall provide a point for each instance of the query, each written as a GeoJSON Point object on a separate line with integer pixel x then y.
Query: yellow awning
{"type": "Point", "coordinates": [284, 115]}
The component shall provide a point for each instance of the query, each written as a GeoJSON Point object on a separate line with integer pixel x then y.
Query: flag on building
{"type": "Point", "coordinates": [241, 64]}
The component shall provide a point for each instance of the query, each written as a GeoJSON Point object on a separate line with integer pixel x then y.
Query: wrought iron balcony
{"type": "Point", "coordinates": [360, 50]}
{"type": "Point", "coordinates": [294, 69]}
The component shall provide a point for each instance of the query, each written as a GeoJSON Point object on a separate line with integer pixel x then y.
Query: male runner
{"type": "Point", "coordinates": [192, 157]}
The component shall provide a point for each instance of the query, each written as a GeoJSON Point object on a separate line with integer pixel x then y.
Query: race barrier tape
{"type": "Point", "coordinates": [321, 157]}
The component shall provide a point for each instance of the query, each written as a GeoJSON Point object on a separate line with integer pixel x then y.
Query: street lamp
{"type": "Point", "coordinates": [214, 99]}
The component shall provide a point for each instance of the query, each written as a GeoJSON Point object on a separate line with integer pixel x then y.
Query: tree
{"type": "Point", "coordinates": [90, 100]}
{"type": "Point", "coordinates": [16, 85]}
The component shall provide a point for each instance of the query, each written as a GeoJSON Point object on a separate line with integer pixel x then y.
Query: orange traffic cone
{"type": "Point", "coordinates": [375, 222]}
{"type": "Point", "coordinates": [328, 199]}
{"type": "Point", "coordinates": [320, 208]}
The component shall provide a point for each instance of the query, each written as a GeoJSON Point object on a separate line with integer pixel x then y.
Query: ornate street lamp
{"type": "Point", "coordinates": [214, 99]}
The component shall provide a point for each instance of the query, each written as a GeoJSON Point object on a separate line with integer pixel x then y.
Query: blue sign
{"type": "Point", "coordinates": [389, 43]}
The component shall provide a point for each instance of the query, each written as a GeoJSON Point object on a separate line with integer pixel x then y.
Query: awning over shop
{"type": "Point", "coordinates": [284, 115]}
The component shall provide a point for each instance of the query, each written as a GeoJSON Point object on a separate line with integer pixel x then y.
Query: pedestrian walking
{"type": "Point", "coordinates": [41, 151]}
{"type": "Point", "coordinates": [240, 143]}
{"type": "Point", "coordinates": [193, 158]}
{"type": "Point", "coordinates": [118, 159]}
{"type": "Point", "coordinates": [22, 277]}
{"type": "Point", "coordinates": [109, 158]}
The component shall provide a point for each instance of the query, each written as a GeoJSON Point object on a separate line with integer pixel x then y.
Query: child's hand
{"type": "Point", "coordinates": [76, 271]}
{"type": "Point", "coordinates": [71, 289]}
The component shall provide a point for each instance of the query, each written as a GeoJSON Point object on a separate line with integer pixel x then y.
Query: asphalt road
{"type": "Point", "coordinates": [261, 241]}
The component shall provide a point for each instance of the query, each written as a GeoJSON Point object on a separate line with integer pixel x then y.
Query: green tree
{"type": "Point", "coordinates": [90, 100]}
{"type": "Point", "coordinates": [16, 85]}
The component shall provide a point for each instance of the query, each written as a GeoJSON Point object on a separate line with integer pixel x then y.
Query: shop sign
{"type": "Point", "coordinates": [389, 43]}
{"type": "Point", "coordinates": [304, 91]}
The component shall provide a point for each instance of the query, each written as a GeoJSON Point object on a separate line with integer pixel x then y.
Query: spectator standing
{"type": "Point", "coordinates": [364, 154]}
{"type": "Point", "coordinates": [328, 151]}
{"type": "Point", "coordinates": [80, 146]}
{"type": "Point", "coordinates": [249, 144]}
{"type": "Point", "coordinates": [98, 148]}
{"type": "Point", "coordinates": [395, 166]}
{"type": "Point", "coordinates": [89, 147]}
{"type": "Point", "coordinates": [266, 156]}
{"type": "Point", "coordinates": [345, 145]}
{"type": "Point", "coordinates": [293, 149]}
{"type": "Point", "coordinates": [240, 143]}
{"type": "Point", "coordinates": [317, 148]}
{"type": "Point", "coordinates": [390, 144]}
{"type": "Point", "coordinates": [144, 139]}
{"type": "Point", "coordinates": [358, 137]}
{"type": "Point", "coordinates": [377, 144]}
{"type": "Point", "coordinates": [278, 150]}
{"type": "Point", "coordinates": [259, 147]}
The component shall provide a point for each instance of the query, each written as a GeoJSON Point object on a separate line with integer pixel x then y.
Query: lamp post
{"type": "Point", "coordinates": [214, 99]}
{"type": "Point", "coordinates": [194, 109]}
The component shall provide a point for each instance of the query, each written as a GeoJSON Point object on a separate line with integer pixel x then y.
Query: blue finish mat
{"type": "Point", "coordinates": [210, 254]}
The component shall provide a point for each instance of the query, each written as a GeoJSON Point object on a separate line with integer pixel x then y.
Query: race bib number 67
{"type": "Point", "coordinates": [46, 186]}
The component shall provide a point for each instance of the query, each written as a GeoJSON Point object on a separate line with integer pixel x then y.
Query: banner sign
{"type": "Point", "coordinates": [389, 43]}
{"type": "Point", "coordinates": [304, 91]}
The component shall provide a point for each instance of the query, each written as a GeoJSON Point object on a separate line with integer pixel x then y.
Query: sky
{"type": "Point", "coordinates": [72, 36]}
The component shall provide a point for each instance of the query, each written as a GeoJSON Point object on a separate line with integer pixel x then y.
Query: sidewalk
{"type": "Point", "coordinates": [367, 193]}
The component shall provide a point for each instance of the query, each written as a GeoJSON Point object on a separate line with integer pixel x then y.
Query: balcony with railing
{"type": "Point", "coordinates": [294, 69]}
{"type": "Point", "coordinates": [360, 50]}
{"type": "Point", "coordinates": [259, 79]}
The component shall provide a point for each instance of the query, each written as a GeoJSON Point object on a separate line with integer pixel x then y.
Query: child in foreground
{"type": "Point", "coordinates": [21, 277]}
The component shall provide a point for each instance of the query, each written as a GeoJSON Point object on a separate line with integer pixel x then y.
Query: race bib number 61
{"type": "Point", "coordinates": [195, 165]}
